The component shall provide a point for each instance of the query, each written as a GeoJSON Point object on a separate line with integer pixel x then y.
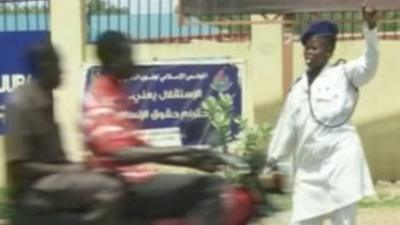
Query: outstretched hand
{"type": "Point", "coordinates": [370, 16]}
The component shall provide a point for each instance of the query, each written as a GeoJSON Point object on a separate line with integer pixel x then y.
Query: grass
{"type": "Point", "coordinates": [390, 203]}
{"type": "Point", "coordinates": [381, 200]}
{"type": "Point", "coordinates": [388, 196]}
{"type": "Point", "coordinates": [281, 202]}
{"type": "Point", "coordinates": [4, 209]}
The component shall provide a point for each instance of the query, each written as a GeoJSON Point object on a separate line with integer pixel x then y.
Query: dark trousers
{"type": "Point", "coordinates": [195, 197]}
{"type": "Point", "coordinates": [97, 197]}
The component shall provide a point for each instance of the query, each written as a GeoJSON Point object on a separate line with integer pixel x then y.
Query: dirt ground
{"type": "Point", "coordinates": [373, 216]}
{"type": "Point", "coordinates": [383, 209]}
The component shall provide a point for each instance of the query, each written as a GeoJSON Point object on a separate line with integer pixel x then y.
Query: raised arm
{"type": "Point", "coordinates": [363, 69]}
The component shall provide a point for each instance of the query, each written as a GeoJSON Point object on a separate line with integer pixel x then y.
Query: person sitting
{"type": "Point", "coordinates": [42, 181]}
{"type": "Point", "coordinates": [109, 133]}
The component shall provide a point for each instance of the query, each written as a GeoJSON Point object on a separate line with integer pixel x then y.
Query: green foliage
{"type": "Point", "coordinates": [229, 28]}
{"type": "Point", "coordinates": [219, 112]}
{"type": "Point", "coordinates": [5, 209]}
{"type": "Point", "coordinates": [251, 139]}
{"type": "Point", "coordinates": [103, 7]}
{"type": "Point", "coordinates": [249, 143]}
{"type": "Point", "coordinates": [348, 22]}
{"type": "Point", "coordinates": [23, 9]}
{"type": "Point", "coordinates": [386, 203]}
{"type": "Point", "coordinates": [387, 196]}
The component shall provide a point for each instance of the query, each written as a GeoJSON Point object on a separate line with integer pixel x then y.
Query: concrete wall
{"type": "Point", "coordinates": [377, 116]}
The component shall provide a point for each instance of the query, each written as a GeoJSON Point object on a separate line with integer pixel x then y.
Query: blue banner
{"type": "Point", "coordinates": [14, 69]}
{"type": "Point", "coordinates": [167, 96]}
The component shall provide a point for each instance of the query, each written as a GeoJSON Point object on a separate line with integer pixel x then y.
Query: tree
{"type": "Point", "coordinates": [22, 8]}
{"type": "Point", "coordinates": [104, 7]}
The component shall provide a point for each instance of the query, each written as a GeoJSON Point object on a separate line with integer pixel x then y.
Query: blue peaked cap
{"type": "Point", "coordinates": [320, 28]}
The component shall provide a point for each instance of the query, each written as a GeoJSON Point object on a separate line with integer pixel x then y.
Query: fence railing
{"type": "Point", "coordinates": [156, 21]}
{"type": "Point", "coordinates": [350, 23]}
{"type": "Point", "coordinates": [24, 15]}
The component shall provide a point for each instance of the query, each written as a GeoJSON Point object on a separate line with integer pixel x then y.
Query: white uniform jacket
{"type": "Point", "coordinates": [330, 167]}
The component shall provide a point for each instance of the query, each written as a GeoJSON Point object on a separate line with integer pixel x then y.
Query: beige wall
{"type": "Point", "coordinates": [265, 63]}
{"type": "Point", "coordinates": [261, 57]}
{"type": "Point", "coordinates": [377, 117]}
{"type": "Point", "coordinates": [67, 27]}
{"type": "Point", "coordinates": [378, 114]}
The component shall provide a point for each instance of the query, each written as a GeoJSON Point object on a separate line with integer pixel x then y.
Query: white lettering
{"type": "Point", "coordinates": [8, 82]}
{"type": "Point", "coordinates": [18, 80]}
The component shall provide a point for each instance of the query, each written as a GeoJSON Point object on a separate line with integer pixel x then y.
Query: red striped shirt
{"type": "Point", "coordinates": [106, 125]}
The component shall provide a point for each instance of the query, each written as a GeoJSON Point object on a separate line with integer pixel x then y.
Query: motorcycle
{"type": "Point", "coordinates": [240, 203]}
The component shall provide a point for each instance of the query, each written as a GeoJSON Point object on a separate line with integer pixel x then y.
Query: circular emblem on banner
{"type": "Point", "coordinates": [221, 82]}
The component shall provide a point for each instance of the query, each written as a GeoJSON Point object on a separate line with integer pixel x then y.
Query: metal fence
{"type": "Point", "coordinates": [350, 23]}
{"type": "Point", "coordinates": [24, 15]}
{"type": "Point", "coordinates": [157, 21]}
